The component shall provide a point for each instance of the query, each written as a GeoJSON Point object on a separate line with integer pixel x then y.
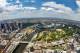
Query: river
{"type": "Point", "coordinates": [20, 48]}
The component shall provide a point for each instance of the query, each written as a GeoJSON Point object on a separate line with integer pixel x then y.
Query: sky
{"type": "Point", "coordinates": [38, 3]}
{"type": "Point", "coordinates": [65, 9]}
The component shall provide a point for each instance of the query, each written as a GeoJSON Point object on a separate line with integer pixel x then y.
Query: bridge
{"type": "Point", "coordinates": [23, 42]}
{"type": "Point", "coordinates": [13, 46]}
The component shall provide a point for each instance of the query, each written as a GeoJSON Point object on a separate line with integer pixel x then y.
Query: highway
{"type": "Point", "coordinates": [10, 42]}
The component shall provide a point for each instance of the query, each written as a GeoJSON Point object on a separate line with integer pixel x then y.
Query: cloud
{"type": "Point", "coordinates": [48, 9]}
{"type": "Point", "coordinates": [15, 7]}
{"type": "Point", "coordinates": [78, 2]}
{"type": "Point", "coordinates": [33, 14]}
{"type": "Point", "coordinates": [52, 6]}
{"type": "Point", "coordinates": [3, 3]}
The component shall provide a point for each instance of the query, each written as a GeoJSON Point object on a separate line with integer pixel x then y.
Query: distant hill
{"type": "Point", "coordinates": [36, 20]}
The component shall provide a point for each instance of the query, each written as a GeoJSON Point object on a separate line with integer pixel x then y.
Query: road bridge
{"type": "Point", "coordinates": [23, 42]}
